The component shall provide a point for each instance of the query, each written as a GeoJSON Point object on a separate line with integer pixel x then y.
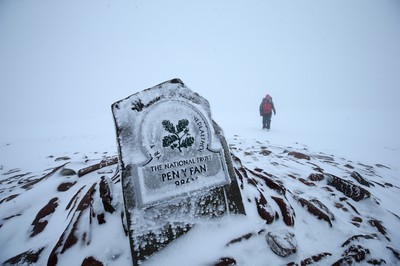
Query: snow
{"type": "Point", "coordinates": [332, 68]}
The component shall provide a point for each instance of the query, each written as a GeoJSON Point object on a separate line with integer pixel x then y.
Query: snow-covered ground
{"type": "Point", "coordinates": [332, 67]}
{"type": "Point", "coordinates": [205, 244]}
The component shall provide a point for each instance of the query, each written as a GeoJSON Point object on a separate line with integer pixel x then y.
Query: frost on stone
{"type": "Point", "coordinates": [176, 167]}
{"type": "Point", "coordinates": [282, 243]}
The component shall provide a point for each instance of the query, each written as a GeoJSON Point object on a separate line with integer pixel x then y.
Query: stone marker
{"type": "Point", "coordinates": [176, 166]}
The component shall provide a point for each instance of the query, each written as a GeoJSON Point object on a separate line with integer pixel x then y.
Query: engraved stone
{"type": "Point", "coordinates": [176, 166]}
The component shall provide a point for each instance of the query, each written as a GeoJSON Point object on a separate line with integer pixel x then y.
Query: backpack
{"type": "Point", "coordinates": [266, 107]}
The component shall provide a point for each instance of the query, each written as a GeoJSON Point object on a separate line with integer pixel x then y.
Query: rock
{"type": "Point", "coordinates": [355, 192]}
{"type": "Point", "coordinates": [382, 166]}
{"type": "Point", "coordinates": [349, 166]}
{"type": "Point", "coordinates": [316, 177]}
{"type": "Point", "coordinates": [286, 210]}
{"type": "Point", "coordinates": [311, 260]}
{"type": "Point", "coordinates": [356, 221]}
{"type": "Point", "coordinates": [65, 186]}
{"type": "Point", "coordinates": [90, 261]}
{"type": "Point", "coordinates": [360, 179]}
{"type": "Point", "coordinates": [40, 222]}
{"type": "Point", "coordinates": [105, 194]}
{"type": "Point", "coordinates": [357, 237]}
{"type": "Point", "coordinates": [245, 237]}
{"type": "Point", "coordinates": [315, 209]}
{"type": "Point", "coordinates": [379, 226]}
{"type": "Point", "coordinates": [306, 182]}
{"type": "Point", "coordinates": [299, 155]}
{"type": "Point", "coordinates": [12, 171]}
{"type": "Point", "coordinates": [395, 252]}
{"type": "Point", "coordinates": [67, 172]}
{"type": "Point", "coordinates": [264, 209]}
{"type": "Point", "coordinates": [282, 243]}
{"type": "Point", "coordinates": [65, 158]}
{"type": "Point", "coordinates": [26, 258]}
{"type": "Point", "coordinates": [325, 209]}
{"type": "Point", "coordinates": [316, 258]}
{"type": "Point", "coordinates": [265, 152]}
{"type": "Point", "coordinates": [346, 261]}
{"type": "Point", "coordinates": [357, 252]}
{"type": "Point", "coordinates": [225, 262]}
{"type": "Point", "coordinates": [240, 239]}
{"type": "Point", "coordinates": [376, 261]}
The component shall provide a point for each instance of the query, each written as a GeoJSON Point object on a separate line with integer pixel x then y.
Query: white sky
{"type": "Point", "coordinates": [68, 60]}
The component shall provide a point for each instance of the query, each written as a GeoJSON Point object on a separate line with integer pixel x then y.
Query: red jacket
{"type": "Point", "coordinates": [269, 110]}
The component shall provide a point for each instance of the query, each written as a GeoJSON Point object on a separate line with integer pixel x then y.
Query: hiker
{"type": "Point", "coordinates": [266, 108]}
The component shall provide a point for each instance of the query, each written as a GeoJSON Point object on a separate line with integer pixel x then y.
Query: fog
{"type": "Point", "coordinates": [67, 60]}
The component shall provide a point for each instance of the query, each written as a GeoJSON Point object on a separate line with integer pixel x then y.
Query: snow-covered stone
{"type": "Point", "coordinates": [175, 163]}
{"type": "Point", "coordinates": [282, 243]}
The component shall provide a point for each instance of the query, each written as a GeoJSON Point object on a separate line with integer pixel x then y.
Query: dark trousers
{"type": "Point", "coordinates": [267, 121]}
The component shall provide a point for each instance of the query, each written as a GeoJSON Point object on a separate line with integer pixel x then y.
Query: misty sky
{"type": "Point", "coordinates": [61, 60]}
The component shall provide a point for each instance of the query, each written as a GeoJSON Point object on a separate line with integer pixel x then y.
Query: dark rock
{"type": "Point", "coordinates": [9, 198]}
{"type": "Point", "coordinates": [265, 152]}
{"type": "Point", "coordinates": [12, 216]}
{"type": "Point", "coordinates": [225, 262]}
{"type": "Point", "coordinates": [316, 177]}
{"type": "Point", "coordinates": [356, 238]}
{"type": "Point", "coordinates": [67, 172]}
{"type": "Point", "coordinates": [269, 182]}
{"type": "Point", "coordinates": [12, 171]}
{"type": "Point", "coordinates": [325, 209]}
{"type": "Point", "coordinates": [349, 166]}
{"type": "Point", "coordinates": [240, 239]}
{"type": "Point", "coordinates": [25, 258]}
{"type": "Point", "coordinates": [357, 252]}
{"type": "Point", "coordinates": [90, 261]}
{"type": "Point", "coordinates": [40, 223]}
{"type": "Point", "coordinates": [341, 206]}
{"type": "Point", "coordinates": [376, 261]}
{"type": "Point", "coordinates": [312, 260]}
{"type": "Point", "coordinates": [356, 221]}
{"type": "Point", "coordinates": [382, 166]}
{"type": "Point", "coordinates": [65, 186]}
{"type": "Point", "coordinates": [325, 158]}
{"type": "Point", "coordinates": [299, 155]}
{"type": "Point", "coordinates": [346, 261]}
{"type": "Point", "coordinates": [105, 195]}
{"type": "Point", "coordinates": [65, 158]}
{"type": "Point", "coordinates": [32, 183]}
{"type": "Point", "coordinates": [355, 192]}
{"type": "Point", "coordinates": [264, 209]}
{"type": "Point", "coordinates": [286, 210]}
{"type": "Point", "coordinates": [244, 237]}
{"type": "Point", "coordinates": [314, 210]}
{"type": "Point", "coordinates": [70, 235]}
{"type": "Point", "coordinates": [388, 184]}
{"type": "Point", "coordinates": [107, 161]}
{"type": "Point", "coordinates": [360, 179]}
{"type": "Point", "coordinates": [328, 189]}
{"type": "Point", "coordinates": [378, 225]}
{"type": "Point", "coordinates": [354, 208]}
{"type": "Point", "coordinates": [396, 253]}
{"type": "Point", "coordinates": [307, 183]}
{"type": "Point", "coordinates": [101, 218]}
{"type": "Point", "coordinates": [282, 243]}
